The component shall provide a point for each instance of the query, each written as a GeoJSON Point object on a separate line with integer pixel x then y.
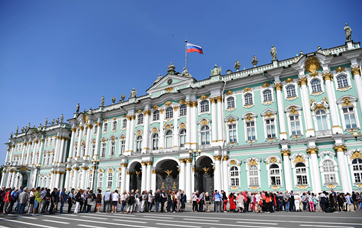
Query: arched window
{"type": "Point", "coordinates": [205, 106]}
{"type": "Point", "coordinates": [349, 117]}
{"type": "Point", "coordinates": [329, 172]}
{"type": "Point", "coordinates": [275, 175]}
{"type": "Point", "coordinates": [234, 176]}
{"type": "Point", "coordinates": [267, 95]}
{"type": "Point", "coordinates": [123, 146]}
{"type": "Point", "coordinates": [253, 175]}
{"type": "Point", "coordinates": [169, 139]}
{"type": "Point", "coordinates": [83, 150]}
{"type": "Point", "coordinates": [169, 113]}
{"type": "Point", "coordinates": [113, 148]}
{"type": "Point", "coordinates": [50, 142]}
{"type": "Point", "coordinates": [291, 91]}
{"type": "Point", "coordinates": [183, 110]}
{"type": "Point", "coordinates": [93, 149]}
{"type": "Point", "coordinates": [232, 133]}
{"type": "Point", "coordinates": [270, 128]}
{"type": "Point", "coordinates": [230, 102]}
{"type": "Point", "coordinates": [53, 156]}
{"type": "Point", "coordinates": [295, 124]}
{"type": "Point", "coordinates": [78, 132]}
{"type": "Point", "coordinates": [248, 99]}
{"type": "Point", "coordinates": [80, 180]}
{"type": "Point", "coordinates": [155, 141]}
{"type": "Point", "coordinates": [139, 144]}
{"type": "Point", "coordinates": [316, 86]}
{"type": "Point", "coordinates": [140, 119]}
{"type": "Point", "coordinates": [95, 129]}
{"type": "Point", "coordinates": [48, 163]}
{"type": "Point", "coordinates": [85, 131]}
{"type": "Point", "coordinates": [104, 145]}
{"type": "Point", "coordinates": [44, 158]}
{"type": "Point", "coordinates": [301, 172]}
{"type": "Point", "coordinates": [321, 120]}
{"type": "Point", "coordinates": [156, 115]}
{"type": "Point", "coordinates": [119, 182]}
{"type": "Point", "coordinates": [105, 127]}
{"type": "Point", "coordinates": [182, 137]}
{"type": "Point", "coordinates": [114, 126]}
{"type": "Point", "coordinates": [357, 170]}
{"type": "Point", "coordinates": [205, 135]}
{"type": "Point", "coordinates": [342, 81]}
{"type": "Point", "coordinates": [100, 180]}
{"type": "Point", "coordinates": [124, 123]}
{"type": "Point", "coordinates": [250, 130]}
{"type": "Point", "coordinates": [110, 180]}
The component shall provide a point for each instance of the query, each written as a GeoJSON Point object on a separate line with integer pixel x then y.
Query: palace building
{"type": "Point", "coordinates": [292, 124]}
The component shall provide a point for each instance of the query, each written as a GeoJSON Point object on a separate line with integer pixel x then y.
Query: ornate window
{"type": "Point", "coordinates": [270, 128]}
{"type": "Point", "coordinates": [316, 86]}
{"type": "Point", "coordinates": [291, 91]}
{"type": "Point", "coordinates": [100, 180]}
{"type": "Point", "coordinates": [232, 133]}
{"type": "Point", "coordinates": [113, 148]}
{"type": "Point", "coordinates": [169, 139]}
{"type": "Point", "coordinates": [48, 162]}
{"type": "Point", "coordinates": [90, 183]}
{"type": "Point", "coordinates": [357, 170]}
{"type": "Point", "coordinates": [119, 182]}
{"type": "Point", "coordinates": [155, 141]}
{"type": "Point", "coordinates": [123, 146]}
{"type": "Point", "coordinates": [156, 115]}
{"type": "Point", "coordinates": [329, 172]}
{"type": "Point", "coordinates": [140, 119]}
{"type": "Point", "coordinates": [182, 138]}
{"type": "Point", "coordinates": [109, 180]}
{"type": "Point", "coordinates": [274, 172]}
{"type": "Point", "coordinates": [77, 135]}
{"type": "Point", "coordinates": [267, 94]}
{"type": "Point", "coordinates": [250, 130]}
{"type": "Point", "coordinates": [139, 144]}
{"type": "Point", "coordinates": [349, 117]}
{"type": "Point", "coordinates": [104, 145]}
{"type": "Point", "coordinates": [234, 176]}
{"type": "Point", "coordinates": [80, 180]}
{"type": "Point", "coordinates": [321, 120]}
{"type": "Point", "coordinates": [44, 158]}
{"type": "Point", "coordinates": [114, 125]}
{"type": "Point", "coordinates": [169, 113]}
{"type": "Point", "coordinates": [342, 81]}
{"type": "Point", "coordinates": [50, 142]}
{"type": "Point", "coordinates": [253, 176]}
{"type": "Point", "coordinates": [205, 106]}
{"type": "Point", "coordinates": [95, 129]}
{"type": "Point", "coordinates": [183, 110]}
{"type": "Point", "coordinates": [205, 135]}
{"type": "Point", "coordinates": [105, 127]}
{"type": "Point", "coordinates": [93, 149]}
{"type": "Point", "coordinates": [230, 103]}
{"type": "Point", "coordinates": [295, 125]}
{"type": "Point", "coordinates": [85, 131]}
{"type": "Point", "coordinates": [248, 99]}
{"type": "Point", "coordinates": [301, 173]}
{"type": "Point", "coordinates": [124, 124]}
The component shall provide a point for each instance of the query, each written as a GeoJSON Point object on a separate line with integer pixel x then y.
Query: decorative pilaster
{"type": "Point", "coordinates": [182, 174]}
{"type": "Point", "coordinates": [71, 149]}
{"type": "Point", "coordinates": [188, 178]}
{"type": "Point", "coordinates": [148, 178]}
{"type": "Point", "coordinates": [84, 173]}
{"type": "Point", "coordinates": [153, 180]}
{"type": "Point", "coordinates": [287, 170]}
{"type": "Point", "coordinates": [217, 173]}
{"type": "Point", "coordinates": [313, 152]}
{"type": "Point", "coordinates": [342, 166]}
{"type": "Point", "coordinates": [162, 131]}
{"type": "Point", "coordinates": [144, 176]}
{"type": "Point", "coordinates": [88, 141]}
{"type": "Point", "coordinates": [356, 72]}
{"type": "Point", "coordinates": [306, 106]}
{"type": "Point", "coordinates": [214, 120]}
{"type": "Point", "coordinates": [99, 130]}
{"type": "Point", "coordinates": [146, 132]}
{"type": "Point", "coordinates": [75, 180]}
{"type": "Point", "coordinates": [124, 176]}
{"type": "Point", "coordinates": [131, 133]}
{"type": "Point", "coordinates": [67, 178]}
{"type": "Point", "coordinates": [3, 178]}
{"type": "Point", "coordinates": [283, 129]}
{"type": "Point", "coordinates": [225, 174]}
{"type": "Point", "coordinates": [194, 125]}
{"type": "Point", "coordinates": [175, 130]}
{"type": "Point", "coordinates": [220, 120]}
{"type": "Point", "coordinates": [188, 125]}
{"type": "Point", "coordinates": [79, 149]}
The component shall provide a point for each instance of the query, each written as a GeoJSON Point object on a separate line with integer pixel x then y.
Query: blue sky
{"type": "Point", "coordinates": [54, 54]}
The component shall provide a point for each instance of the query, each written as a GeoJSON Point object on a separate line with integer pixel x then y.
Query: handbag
{"type": "Point", "coordinates": [198, 200]}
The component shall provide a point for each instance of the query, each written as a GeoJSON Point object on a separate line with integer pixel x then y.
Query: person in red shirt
{"type": "Point", "coordinates": [7, 200]}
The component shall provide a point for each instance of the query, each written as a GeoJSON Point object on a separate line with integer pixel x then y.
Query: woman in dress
{"type": "Point", "coordinates": [31, 199]}
{"type": "Point", "coordinates": [224, 199]}
{"type": "Point", "coordinates": [240, 201]}
{"type": "Point", "coordinates": [232, 202]}
{"type": "Point", "coordinates": [99, 200]}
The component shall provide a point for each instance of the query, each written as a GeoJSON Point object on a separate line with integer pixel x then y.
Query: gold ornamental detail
{"type": "Point", "coordinates": [319, 106]}
{"type": "Point", "coordinates": [289, 80]}
{"type": "Point", "coordinates": [265, 85]}
{"type": "Point", "coordinates": [328, 76]}
{"type": "Point", "coordinates": [168, 172]}
{"type": "Point", "coordinates": [299, 159]}
{"type": "Point", "coordinates": [218, 158]}
{"type": "Point", "coordinates": [155, 107]}
{"type": "Point", "coordinates": [252, 162]}
{"type": "Point", "coordinates": [182, 126]}
{"type": "Point", "coordinates": [225, 158]}
{"type": "Point", "coordinates": [355, 154]}
{"type": "Point", "coordinates": [229, 93]}
{"type": "Point", "coordinates": [203, 97]}
{"type": "Point", "coordinates": [312, 65]}
{"type": "Point", "coordinates": [188, 160]}
{"type": "Point", "coordinates": [247, 89]}
{"type": "Point", "coordinates": [168, 103]}
{"type": "Point", "coordinates": [175, 108]}
{"type": "Point", "coordinates": [169, 89]}
{"type": "Point", "coordinates": [149, 163]}
{"type": "Point", "coordinates": [340, 69]}
{"type": "Point", "coordinates": [293, 111]}
{"type": "Point", "coordinates": [182, 101]}
{"type": "Point", "coordinates": [302, 81]}
{"type": "Point", "coordinates": [278, 86]}
{"type": "Point", "coordinates": [346, 102]}
{"type": "Point", "coordinates": [182, 160]}
{"type": "Point", "coordinates": [340, 148]}
{"type": "Point", "coordinates": [312, 150]}
{"type": "Point", "coordinates": [273, 160]}
{"type": "Point", "coordinates": [355, 71]}
{"type": "Point", "coordinates": [285, 152]}
{"type": "Point", "coordinates": [124, 165]}
{"type": "Point", "coordinates": [204, 122]}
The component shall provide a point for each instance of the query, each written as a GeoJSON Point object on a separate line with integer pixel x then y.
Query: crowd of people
{"type": "Point", "coordinates": [43, 200]}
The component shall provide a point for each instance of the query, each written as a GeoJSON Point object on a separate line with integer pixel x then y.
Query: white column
{"type": "Point", "coordinates": [194, 125]}
{"type": "Point", "coordinates": [88, 141]}
{"type": "Point", "coordinates": [144, 176]}
{"type": "Point", "coordinates": [3, 179]}
{"type": "Point", "coordinates": [12, 184]}
{"type": "Point", "coordinates": [84, 173]}
{"type": "Point", "coordinates": [127, 181]}
{"type": "Point", "coordinates": [131, 138]}
{"type": "Point", "coordinates": [11, 155]}
{"type": "Point", "coordinates": [32, 162]}
{"type": "Point", "coordinates": [35, 173]}
{"type": "Point", "coordinates": [57, 149]}
{"type": "Point", "coordinates": [28, 153]}
{"type": "Point", "coordinates": [61, 184]}
{"type": "Point", "coordinates": [153, 180]}
{"type": "Point", "coordinates": [75, 180]}
{"type": "Point", "coordinates": [281, 116]}
{"type": "Point", "coordinates": [316, 174]}
{"type": "Point", "coordinates": [182, 174]}
{"type": "Point", "coordinates": [124, 176]}
{"type": "Point", "coordinates": [287, 170]}
{"type": "Point", "coordinates": [128, 137]}
{"type": "Point", "coordinates": [146, 131]}
{"type": "Point", "coordinates": [219, 119]}
{"type": "Point", "coordinates": [193, 179]}
{"type": "Point", "coordinates": [65, 149]}
{"type": "Point", "coordinates": [225, 174]}
{"type": "Point", "coordinates": [99, 130]}
{"type": "Point", "coordinates": [79, 149]}
{"type": "Point", "coordinates": [35, 158]}
{"type": "Point", "coordinates": [188, 190]}
{"type": "Point", "coordinates": [175, 129]}
{"type": "Point", "coordinates": [306, 107]}
{"type": "Point", "coordinates": [71, 149]}
{"type": "Point", "coordinates": [336, 126]}
{"type": "Point", "coordinates": [214, 120]}
{"type": "Point", "coordinates": [57, 179]}
{"type": "Point", "coordinates": [148, 179]}
{"type": "Point", "coordinates": [162, 132]}
{"type": "Point", "coordinates": [67, 178]}
{"type": "Point", "coordinates": [346, 185]}
{"type": "Point", "coordinates": [61, 150]}
{"type": "Point", "coordinates": [217, 173]}
{"type": "Point", "coordinates": [8, 179]}
{"type": "Point", "coordinates": [188, 126]}
{"type": "Point", "coordinates": [357, 80]}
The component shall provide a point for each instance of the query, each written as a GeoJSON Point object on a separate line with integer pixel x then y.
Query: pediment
{"type": "Point", "coordinates": [169, 83]}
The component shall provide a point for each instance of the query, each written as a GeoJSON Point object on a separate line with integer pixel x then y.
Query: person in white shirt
{"type": "Point", "coordinates": [115, 199]}
{"type": "Point", "coordinates": [297, 202]}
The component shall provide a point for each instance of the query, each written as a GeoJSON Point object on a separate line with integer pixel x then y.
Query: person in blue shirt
{"type": "Point", "coordinates": [17, 204]}
{"type": "Point", "coordinates": [13, 199]}
{"type": "Point", "coordinates": [63, 199]}
{"type": "Point", "coordinates": [70, 200]}
{"type": "Point", "coordinates": [217, 200]}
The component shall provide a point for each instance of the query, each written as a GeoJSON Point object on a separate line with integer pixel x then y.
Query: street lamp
{"type": "Point", "coordinates": [194, 154]}
{"type": "Point", "coordinates": [355, 135]}
{"type": "Point", "coordinates": [95, 164]}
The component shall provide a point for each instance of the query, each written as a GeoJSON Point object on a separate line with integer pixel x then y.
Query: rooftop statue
{"type": "Point", "coordinates": [185, 73]}
{"type": "Point", "coordinates": [215, 71]}
{"type": "Point", "coordinates": [61, 118]}
{"type": "Point", "coordinates": [158, 79]}
{"type": "Point", "coordinates": [320, 50]}
{"type": "Point", "coordinates": [122, 98]}
{"type": "Point", "coordinates": [53, 121]}
{"type": "Point", "coordinates": [254, 61]}
{"type": "Point", "coordinates": [57, 120]}
{"type": "Point", "coordinates": [348, 32]}
{"type": "Point", "coordinates": [102, 101]}
{"type": "Point", "coordinates": [46, 122]}
{"type": "Point", "coordinates": [171, 69]}
{"type": "Point", "coordinates": [17, 129]}
{"type": "Point", "coordinates": [273, 52]}
{"type": "Point", "coordinates": [11, 135]}
{"type": "Point", "coordinates": [237, 65]}
{"type": "Point", "coordinates": [90, 111]}
{"type": "Point", "coordinates": [22, 129]}
{"type": "Point", "coordinates": [113, 99]}
{"type": "Point", "coordinates": [40, 127]}
{"type": "Point", "coordinates": [77, 109]}
{"type": "Point", "coordinates": [133, 93]}
{"type": "Point", "coordinates": [28, 125]}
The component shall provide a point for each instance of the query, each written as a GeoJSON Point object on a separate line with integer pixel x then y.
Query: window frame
{"type": "Point", "coordinates": [139, 139]}
{"type": "Point", "coordinates": [155, 140]}
{"type": "Point", "coordinates": [156, 115]}
{"type": "Point", "coordinates": [110, 180]}
{"type": "Point", "coordinates": [204, 107]}
{"type": "Point", "coordinates": [168, 136]}
{"type": "Point", "coordinates": [140, 118]}
{"type": "Point", "coordinates": [250, 164]}
{"type": "Point", "coordinates": [182, 137]}
{"type": "Point", "coordinates": [234, 179]}
{"type": "Point", "coordinates": [207, 133]}
{"type": "Point", "coordinates": [169, 113]}
{"type": "Point", "coordinates": [183, 110]}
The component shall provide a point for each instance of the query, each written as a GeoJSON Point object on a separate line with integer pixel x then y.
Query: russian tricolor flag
{"type": "Point", "coordinates": [194, 48]}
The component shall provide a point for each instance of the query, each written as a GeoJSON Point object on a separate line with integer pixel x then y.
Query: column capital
{"type": "Point", "coordinates": [188, 103]}
{"type": "Point", "coordinates": [188, 160]}
{"type": "Point", "coordinates": [149, 162]}
{"type": "Point", "coordinates": [74, 129]}
{"type": "Point", "coordinates": [356, 70]}
{"type": "Point", "coordinates": [225, 158]}
{"type": "Point", "coordinates": [328, 76]}
{"type": "Point", "coordinates": [285, 152]}
{"type": "Point", "coordinates": [213, 100]}
{"type": "Point", "coordinates": [144, 163]}
{"type": "Point", "coordinates": [182, 160]}
{"type": "Point", "coordinates": [124, 165]}
{"type": "Point", "coordinates": [302, 81]}
{"type": "Point", "coordinates": [278, 86]}
{"type": "Point", "coordinates": [218, 158]}
{"type": "Point", "coordinates": [340, 148]}
{"type": "Point", "coordinates": [81, 127]}
{"type": "Point", "coordinates": [313, 150]}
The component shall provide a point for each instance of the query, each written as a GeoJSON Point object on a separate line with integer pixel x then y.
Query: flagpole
{"type": "Point", "coordinates": [186, 54]}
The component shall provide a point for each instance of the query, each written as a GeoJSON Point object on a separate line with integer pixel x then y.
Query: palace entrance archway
{"type": "Point", "coordinates": [204, 175]}
{"type": "Point", "coordinates": [135, 176]}
{"type": "Point", "coordinates": [167, 176]}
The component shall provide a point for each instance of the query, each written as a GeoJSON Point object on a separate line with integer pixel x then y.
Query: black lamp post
{"type": "Point", "coordinates": [95, 164]}
{"type": "Point", "coordinates": [194, 154]}
{"type": "Point", "coordinates": [355, 135]}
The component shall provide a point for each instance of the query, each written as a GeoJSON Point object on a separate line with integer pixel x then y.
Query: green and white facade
{"type": "Point", "coordinates": [287, 125]}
